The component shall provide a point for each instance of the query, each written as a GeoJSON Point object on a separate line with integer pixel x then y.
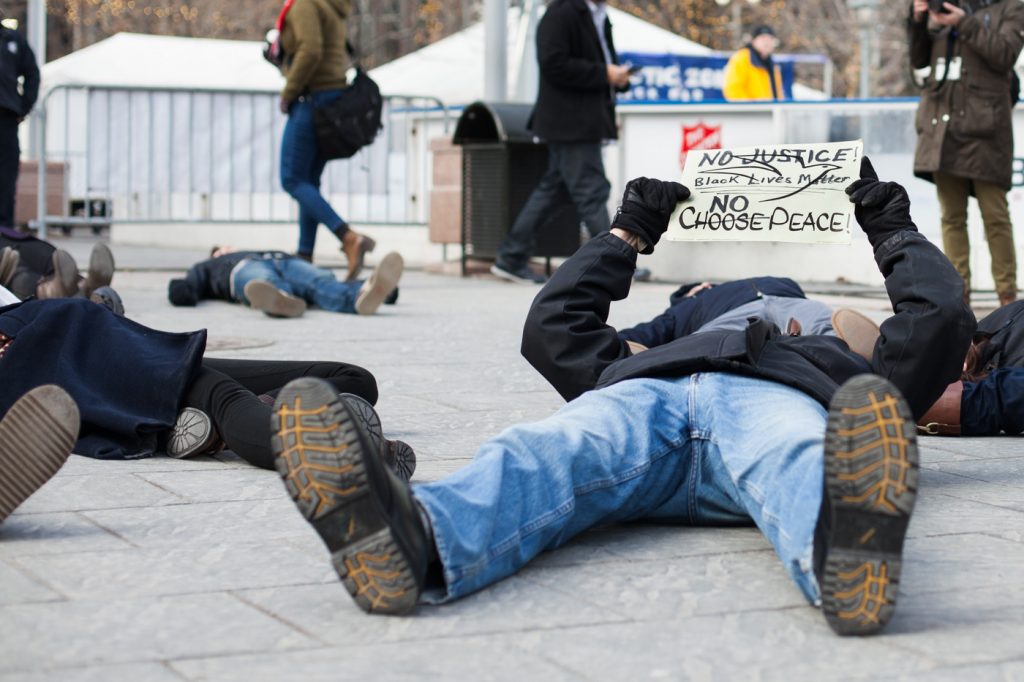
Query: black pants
{"type": "Point", "coordinates": [227, 391]}
{"type": "Point", "coordinates": [576, 167]}
{"type": "Point", "coordinates": [10, 154]}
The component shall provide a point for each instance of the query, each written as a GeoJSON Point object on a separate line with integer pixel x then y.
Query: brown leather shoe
{"type": "Point", "coordinates": [63, 283]}
{"type": "Point", "coordinates": [943, 418]}
{"type": "Point", "coordinates": [9, 260]}
{"type": "Point", "coordinates": [355, 246]}
{"type": "Point", "coordinates": [101, 270]}
{"type": "Point", "coordinates": [1007, 297]}
{"type": "Point", "coordinates": [381, 283]}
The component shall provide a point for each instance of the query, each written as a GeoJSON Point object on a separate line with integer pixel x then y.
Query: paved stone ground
{"type": "Point", "coordinates": [202, 570]}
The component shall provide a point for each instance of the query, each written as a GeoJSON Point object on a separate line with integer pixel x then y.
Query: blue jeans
{"type": "Point", "coordinates": [302, 166]}
{"type": "Point", "coordinates": [994, 405]}
{"type": "Point", "coordinates": [579, 167]}
{"type": "Point", "coordinates": [297, 277]}
{"type": "Point", "coordinates": [707, 449]}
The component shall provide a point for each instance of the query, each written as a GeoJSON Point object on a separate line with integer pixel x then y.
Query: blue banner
{"type": "Point", "coordinates": [673, 78]}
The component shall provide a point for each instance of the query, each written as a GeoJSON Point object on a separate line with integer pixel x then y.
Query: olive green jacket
{"type": "Point", "coordinates": [313, 40]}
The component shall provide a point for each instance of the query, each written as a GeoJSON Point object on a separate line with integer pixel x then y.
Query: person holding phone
{"type": "Point", "coordinates": [963, 122]}
{"type": "Point", "coordinates": [575, 115]}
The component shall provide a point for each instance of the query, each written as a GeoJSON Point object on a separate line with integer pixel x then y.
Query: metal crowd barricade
{"type": "Point", "coordinates": [173, 155]}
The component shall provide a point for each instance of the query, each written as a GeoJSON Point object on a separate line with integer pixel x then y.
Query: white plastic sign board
{"type": "Point", "coordinates": [777, 193]}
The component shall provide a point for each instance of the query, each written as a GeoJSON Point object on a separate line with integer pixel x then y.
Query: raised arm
{"type": "Point", "coordinates": [566, 336]}
{"type": "Point", "coordinates": [921, 348]}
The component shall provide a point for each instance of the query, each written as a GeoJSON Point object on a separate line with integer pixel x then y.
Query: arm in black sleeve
{"type": "Point", "coordinates": [921, 348]}
{"type": "Point", "coordinates": [30, 72]}
{"type": "Point", "coordinates": [920, 43]}
{"type": "Point", "coordinates": [566, 336]}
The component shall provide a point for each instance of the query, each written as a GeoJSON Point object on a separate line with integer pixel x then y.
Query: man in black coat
{"type": "Point", "coordinates": [799, 435]}
{"type": "Point", "coordinates": [16, 62]}
{"type": "Point", "coordinates": [574, 115]}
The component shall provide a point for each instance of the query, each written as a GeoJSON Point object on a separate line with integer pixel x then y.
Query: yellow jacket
{"type": "Point", "coordinates": [747, 78]}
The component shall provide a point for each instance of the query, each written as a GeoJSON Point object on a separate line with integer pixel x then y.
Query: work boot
{"type": "Point", "coordinates": [398, 455]}
{"type": "Point", "coordinates": [870, 484]}
{"type": "Point", "coordinates": [193, 435]}
{"type": "Point", "coordinates": [380, 284]}
{"type": "Point", "coordinates": [63, 283]}
{"type": "Point", "coordinates": [100, 272]}
{"type": "Point", "coordinates": [36, 437]}
{"type": "Point", "coordinates": [355, 246]}
{"type": "Point", "coordinates": [336, 475]}
{"type": "Point", "coordinates": [1007, 297]}
{"type": "Point", "coordinates": [262, 295]}
{"type": "Point", "coordinates": [9, 260]}
{"type": "Point", "coordinates": [108, 298]}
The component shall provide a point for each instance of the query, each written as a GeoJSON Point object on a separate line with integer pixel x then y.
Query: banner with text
{"type": "Point", "coordinates": [777, 193]}
{"type": "Point", "coordinates": [685, 78]}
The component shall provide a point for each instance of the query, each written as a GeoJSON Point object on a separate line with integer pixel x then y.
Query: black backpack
{"type": "Point", "coordinates": [350, 122]}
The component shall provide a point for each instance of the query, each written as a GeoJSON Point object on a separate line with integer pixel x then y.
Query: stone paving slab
{"type": "Point", "coordinates": [159, 569]}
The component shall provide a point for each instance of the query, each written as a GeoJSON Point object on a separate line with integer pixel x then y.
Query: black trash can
{"type": "Point", "coordinates": [501, 165]}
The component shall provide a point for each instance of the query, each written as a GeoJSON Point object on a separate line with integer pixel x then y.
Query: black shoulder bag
{"type": "Point", "coordinates": [353, 120]}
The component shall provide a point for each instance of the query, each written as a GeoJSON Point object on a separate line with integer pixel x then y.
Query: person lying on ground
{"type": "Point", "coordinates": [281, 285]}
{"type": "Point", "coordinates": [31, 267]}
{"type": "Point", "coordinates": [797, 434]}
{"type": "Point", "coordinates": [141, 391]}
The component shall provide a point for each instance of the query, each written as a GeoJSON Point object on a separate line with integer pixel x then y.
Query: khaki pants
{"type": "Point", "coordinates": [953, 194]}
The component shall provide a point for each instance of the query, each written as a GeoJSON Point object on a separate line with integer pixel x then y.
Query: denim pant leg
{"type": "Point", "coordinates": [766, 444]}
{"type": "Point", "coordinates": [582, 170]}
{"type": "Point", "coordinates": [319, 286]}
{"type": "Point", "coordinates": [266, 270]}
{"type": "Point", "coordinates": [610, 455]}
{"type": "Point", "coordinates": [301, 168]}
{"type": "Point", "coordinates": [994, 405]}
{"type": "Point", "coordinates": [519, 243]}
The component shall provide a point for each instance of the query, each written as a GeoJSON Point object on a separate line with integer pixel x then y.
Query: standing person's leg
{"type": "Point", "coordinates": [301, 168]}
{"type": "Point", "coordinates": [260, 285]}
{"type": "Point", "coordinates": [611, 455]}
{"type": "Point", "coordinates": [270, 376]}
{"type": "Point", "coordinates": [999, 233]}
{"type": "Point", "coordinates": [518, 245]}
{"type": "Point", "coordinates": [10, 155]}
{"type": "Point", "coordinates": [953, 193]}
{"type": "Point", "coordinates": [583, 171]}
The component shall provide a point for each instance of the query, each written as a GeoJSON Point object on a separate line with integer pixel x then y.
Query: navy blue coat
{"type": "Point", "coordinates": [128, 380]}
{"type": "Point", "coordinates": [686, 315]}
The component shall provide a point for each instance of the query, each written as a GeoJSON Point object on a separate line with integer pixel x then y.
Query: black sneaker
{"type": "Point", "coordinates": [337, 478]}
{"type": "Point", "coordinates": [870, 484]}
{"type": "Point", "coordinates": [398, 455]}
{"type": "Point", "coordinates": [521, 275]}
{"type": "Point", "coordinates": [36, 437]}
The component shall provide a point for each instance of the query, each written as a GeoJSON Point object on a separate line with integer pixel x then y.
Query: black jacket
{"type": "Point", "coordinates": [17, 60]}
{"type": "Point", "coordinates": [921, 347]}
{"type": "Point", "coordinates": [1000, 338]}
{"type": "Point", "coordinates": [212, 278]}
{"type": "Point", "coordinates": [574, 99]}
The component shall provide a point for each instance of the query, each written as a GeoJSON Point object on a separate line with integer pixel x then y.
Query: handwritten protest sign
{"type": "Point", "coordinates": [779, 193]}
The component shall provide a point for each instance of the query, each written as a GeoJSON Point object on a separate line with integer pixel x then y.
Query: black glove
{"type": "Point", "coordinates": [180, 292]}
{"type": "Point", "coordinates": [882, 208]}
{"type": "Point", "coordinates": [647, 204]}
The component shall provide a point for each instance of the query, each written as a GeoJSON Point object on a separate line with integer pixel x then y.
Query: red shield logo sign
{"type": "Point", "coordinates": [700, 136]}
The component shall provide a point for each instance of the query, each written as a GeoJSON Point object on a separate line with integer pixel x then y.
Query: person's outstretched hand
{"type": "Point", "coordinates": [882, 208]}
{"type": "Point", "coordinates": [647, 205]}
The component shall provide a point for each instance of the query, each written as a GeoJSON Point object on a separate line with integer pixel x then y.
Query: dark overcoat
{"type": "Point", "coordinates": [964, 125]}
{"type": "Point", "coordinates": [127, 380]}
{"type": "Point", "coordinates": [574, 99]}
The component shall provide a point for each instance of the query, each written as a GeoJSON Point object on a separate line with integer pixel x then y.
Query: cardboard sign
{"type": "Point", "coordinates": [778, 193]}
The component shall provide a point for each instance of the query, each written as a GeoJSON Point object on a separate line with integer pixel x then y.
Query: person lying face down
{"type": "Point", "coordinates": [282, 285]}
{"type": "Point", "coordinates": [797, 434]}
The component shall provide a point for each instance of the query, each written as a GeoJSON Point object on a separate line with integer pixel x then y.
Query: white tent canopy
{"type": "Point", "coordinates": [137, 60]}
